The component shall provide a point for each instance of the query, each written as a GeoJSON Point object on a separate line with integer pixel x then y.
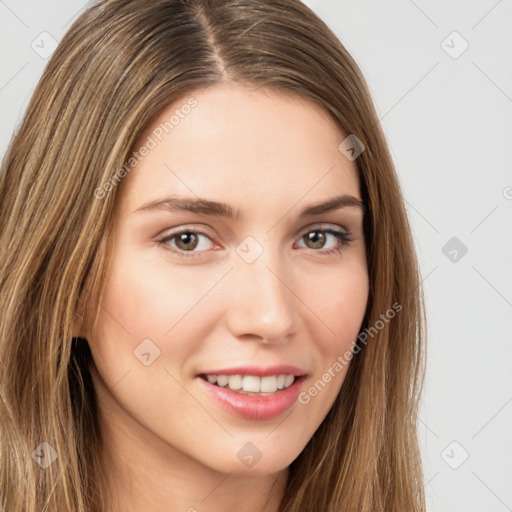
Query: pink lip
{"type": "Point", "coordinates": [254, 407]}
{"type": "Point", "coordinates": [259, 371]}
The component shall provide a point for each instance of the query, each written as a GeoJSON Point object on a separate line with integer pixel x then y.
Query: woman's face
{"type": "Point", "coordinates": [193, 292]}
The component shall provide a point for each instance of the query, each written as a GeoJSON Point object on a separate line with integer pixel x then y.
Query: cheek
{"type": "Point", "coordinates": [150, 296]}
{"type": "Point", "coordinates": [145, 298]}
{"type": "Point", "coordinates": [339, 303]}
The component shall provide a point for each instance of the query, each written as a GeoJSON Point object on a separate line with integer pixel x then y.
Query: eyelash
{"type": "Point", "coordinates": [344, 238]}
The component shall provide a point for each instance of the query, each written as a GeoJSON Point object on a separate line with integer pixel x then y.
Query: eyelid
{"type": "Point", "coordinates": [324, 225]}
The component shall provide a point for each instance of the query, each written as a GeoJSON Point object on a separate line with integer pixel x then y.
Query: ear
{"type": "Point", "coordinates": [78, 327]}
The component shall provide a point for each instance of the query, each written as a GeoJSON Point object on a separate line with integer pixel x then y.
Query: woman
{"type": "Point", "coordinates": [209, 292]}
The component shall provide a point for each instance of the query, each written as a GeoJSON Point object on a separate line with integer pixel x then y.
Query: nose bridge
{"type": "Point", "coordinates": [261, 302]}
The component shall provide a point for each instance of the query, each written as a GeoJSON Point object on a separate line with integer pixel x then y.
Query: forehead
{"type": "Point", "coordinates": [233, 143]}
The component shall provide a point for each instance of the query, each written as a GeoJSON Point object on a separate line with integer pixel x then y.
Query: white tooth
{"type": "Point", "coordinates": [280, 381]}
{"type": "Point", "coordinates": [235, 382]}
{"type": "Point", "coordinates": [268, 384]}
{"type": "Point", "coordinates": [212, 379]}
{"type": "Point", "coordinates": [222, 380]}
{"type": "Point", "coordinates": [288, 380]}
{"type": "Point", "coordinates": [251, 383]}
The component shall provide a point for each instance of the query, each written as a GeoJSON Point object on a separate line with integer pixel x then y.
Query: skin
{"type": "Point", "coordinates": [269, 154]}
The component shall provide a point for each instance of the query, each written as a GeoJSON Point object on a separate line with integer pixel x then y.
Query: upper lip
{"type": "Point", "coordinates": [259, 371]}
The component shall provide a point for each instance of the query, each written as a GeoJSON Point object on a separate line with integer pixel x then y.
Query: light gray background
{"type": "Point", "coordinates": [449, 126]}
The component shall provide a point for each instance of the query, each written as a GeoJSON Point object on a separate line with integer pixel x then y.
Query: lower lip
{"type": "Point", "coordinates": [254, 407]}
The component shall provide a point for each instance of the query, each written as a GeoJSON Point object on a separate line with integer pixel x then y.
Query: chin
{"type": "Point", "coordinates": [255, 459]}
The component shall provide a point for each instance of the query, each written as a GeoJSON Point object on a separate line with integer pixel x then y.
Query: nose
{"type": "Point", "coordinates": [260, 302]}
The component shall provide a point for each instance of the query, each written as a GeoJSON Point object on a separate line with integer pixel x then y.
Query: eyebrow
{"type": "Point", "coordinates": [214, 208]}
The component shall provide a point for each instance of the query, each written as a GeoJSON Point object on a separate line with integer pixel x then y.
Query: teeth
{"type": "Point", "coordinates": [252, 383]}
{"type": "Point", "coordinates": [249, 383]}
{"type": "Point", "coordinates": [269, 384]}
{"type": "Point", "coordinates": [234, 382]}
{"type": "Point", "coordinates": [222, 380]}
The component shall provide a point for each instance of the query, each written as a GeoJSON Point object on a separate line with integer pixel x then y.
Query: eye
{"type": "Point", "coordinates": [342, 238]}
{"type": "Point", "coordinates": [186, 241]}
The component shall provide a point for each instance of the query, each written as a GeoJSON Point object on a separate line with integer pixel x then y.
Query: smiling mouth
{"type": "Point", "coordinates": [251, 384]}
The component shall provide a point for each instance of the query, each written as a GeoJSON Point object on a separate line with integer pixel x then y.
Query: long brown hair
{"type": "Point", "coordinates": [119, 64]}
